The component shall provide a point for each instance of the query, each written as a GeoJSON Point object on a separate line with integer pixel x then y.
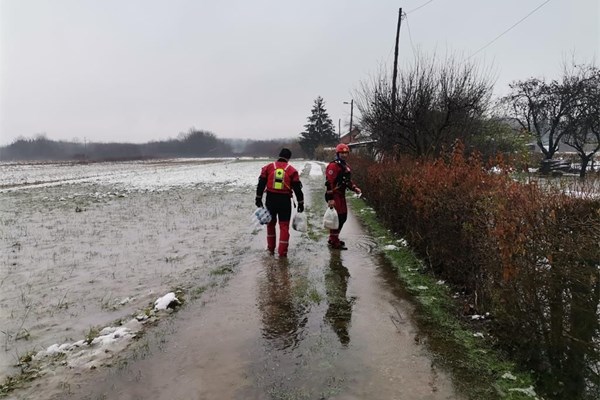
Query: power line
{"type": "Point", "coordinates": [421, 6]}
{"type": "Point", "coordinates": [514, 25]}
{"type": "Point", "coordinates": [410, 35]}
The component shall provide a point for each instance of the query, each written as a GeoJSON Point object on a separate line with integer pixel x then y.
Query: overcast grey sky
{"type": "Point", "coordinates": [140, 70]}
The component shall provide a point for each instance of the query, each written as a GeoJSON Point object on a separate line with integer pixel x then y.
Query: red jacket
{"type": "Point", "coordinates": [338, 178]}
{"type": "Point", "coordinates": [286, 183]}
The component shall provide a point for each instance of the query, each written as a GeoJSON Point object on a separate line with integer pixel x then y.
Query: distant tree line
{"type": "Point", "coordinates": [193, 143]}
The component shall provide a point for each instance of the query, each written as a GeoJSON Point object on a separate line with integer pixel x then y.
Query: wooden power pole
{"type": "Point", "coordinates": [351, 112]}
{"type": "Point", "coordinates": [396, 62]}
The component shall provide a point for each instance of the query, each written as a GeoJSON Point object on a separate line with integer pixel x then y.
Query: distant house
{"type": "Point", "coordinates": [356, 141]}
{"type": "Point", "coordinates": [351, 136]}
{"type": "Point", "coordinates": [359, 142]}
{"type": "Point", "coordinates": [563, 147]}
{"type": "Point", "coordinates": [533, 146]}
{"type": "Point", "coordinates": [566, 157]}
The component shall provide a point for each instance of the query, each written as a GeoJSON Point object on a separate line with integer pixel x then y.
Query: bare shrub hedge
{"type": "Point", "coordinates": [529, 256]}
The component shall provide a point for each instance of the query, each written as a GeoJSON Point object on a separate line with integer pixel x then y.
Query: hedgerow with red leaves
{"type": "Point", "coordinates": [528, 255]}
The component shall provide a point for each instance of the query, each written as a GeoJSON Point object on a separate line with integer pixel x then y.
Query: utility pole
{"type": "Point", "coordinates": [339, 128]}
{"type": "Point", "coordinates": [396, 61]}
{"type": "Point", "coordinates": [351, 111]}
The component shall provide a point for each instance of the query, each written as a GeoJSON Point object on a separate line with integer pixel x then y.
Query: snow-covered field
{"type": "Point", "coordinates": [87, 245]}
{"type": "Point", "coordinates": [140, 175]}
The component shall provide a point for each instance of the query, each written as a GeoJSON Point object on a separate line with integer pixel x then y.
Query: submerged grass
{"type": "Point", "coordinates": [479, 371]}
{"type": "Point", "coordinates": [219, 275]}
{"type": "Point", "coordinates": [314, 229]}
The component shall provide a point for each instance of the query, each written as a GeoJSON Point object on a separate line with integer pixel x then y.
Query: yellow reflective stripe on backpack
{"type": "Point", "coordinates": [279, 177]}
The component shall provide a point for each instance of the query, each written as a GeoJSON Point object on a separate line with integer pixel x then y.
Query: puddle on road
{"type": "Point", "coordinates": [353, 319]}
{"type": "Point", "coordinates": [357, 340]}
{"type": "Point", "coordinates": [283, 314]}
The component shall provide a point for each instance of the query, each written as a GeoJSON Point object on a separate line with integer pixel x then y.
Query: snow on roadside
{"type": "Point", "coordinates": [169, 300]}
{"type": "Point", "coordinates": [81, 354]}
{"type": "Point", "coordinates": [91, 353]}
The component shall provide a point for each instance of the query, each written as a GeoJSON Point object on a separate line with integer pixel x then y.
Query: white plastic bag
{"type": "Point", "coordinates": [262, 216]}
{"type": "Point", "coordinates": [330, 219]}
{"type": "Point", "coordinates": [299, 222]}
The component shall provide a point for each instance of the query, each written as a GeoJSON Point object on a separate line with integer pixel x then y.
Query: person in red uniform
{"type": "Point", "coordinates": [279, 179]}
{"type": "Point", "coordinates": [338, 178]}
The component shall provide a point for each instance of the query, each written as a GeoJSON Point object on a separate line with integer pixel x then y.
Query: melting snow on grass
{"type": "Point", "coordinates": [94, 351]}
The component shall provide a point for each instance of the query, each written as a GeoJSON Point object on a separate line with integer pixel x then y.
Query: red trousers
{"type": "Point", "coordinates": [342, 209]}
{"type": "Point", "coordinates": [284, 237]}
{"type": "Point", "coordinates": [280, 207]}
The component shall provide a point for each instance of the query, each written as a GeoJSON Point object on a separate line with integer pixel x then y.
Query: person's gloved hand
{"type": "Point", "coordinates": [259, 202]}
{"type": "Point", "coordinates": [300, 207]}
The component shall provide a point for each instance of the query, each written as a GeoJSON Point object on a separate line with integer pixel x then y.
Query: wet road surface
{"type": "Point", "coordinates": [320, 325]}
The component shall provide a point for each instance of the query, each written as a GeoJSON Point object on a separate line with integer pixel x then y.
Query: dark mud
{"type": "Point", "coordinates": [319, 325]}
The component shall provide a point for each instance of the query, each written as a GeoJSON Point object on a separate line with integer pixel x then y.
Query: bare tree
{"type": "Point", "coordinates": [544, 108]}
{"type": "Point", "coordinates": [438, 102]}
{"type": "Point", "coordinates": [582, 130]}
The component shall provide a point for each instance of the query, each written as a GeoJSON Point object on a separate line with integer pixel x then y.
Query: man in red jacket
{"type": "Point", "coordinates": [338, 178]}
{"type": "Point", "coordinates": [279, 179]}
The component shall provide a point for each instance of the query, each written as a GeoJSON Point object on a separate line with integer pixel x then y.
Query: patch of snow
{"type": "Point", "coordinates": [390, 247]}
{"type": "Point", "coordinates": [125, 301]}
{"type": "Point", "coordinates": [508, 375]}
{"type": "Point", "coordinates": [111, 334]}
{"type": "Point", "coordinates": [79, 353]}
{"type": "Point", "coordinates": [315, 169]}
{"type": "Point", "coordinates": [167, 300]}
{"type": "Point", "coordinates": [543, 264]}
{"type": "Point", "coordinates": [526, 391]}
{"type": "Point", "coordinates": [402, 242]}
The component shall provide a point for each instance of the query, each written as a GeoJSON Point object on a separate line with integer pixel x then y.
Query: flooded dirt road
{"type": "Point", "coordinates": [321, 324]}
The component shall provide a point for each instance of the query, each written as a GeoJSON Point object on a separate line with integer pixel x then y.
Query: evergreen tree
{"type": "Point", "coordinates": [319, 131]}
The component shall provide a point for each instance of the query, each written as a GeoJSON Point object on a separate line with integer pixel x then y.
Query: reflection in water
{"type": "Point", "coordinates": [339, 311]}
{"type": "Point", "coordinates": [283, 316]}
